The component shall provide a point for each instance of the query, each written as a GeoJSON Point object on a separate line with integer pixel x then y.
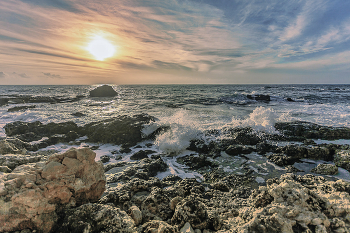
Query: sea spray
{"type": "Point", "coordinates": [181, 130]}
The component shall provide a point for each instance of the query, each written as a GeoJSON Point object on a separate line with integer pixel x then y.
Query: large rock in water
{"type": "Point", "coordinates": [31, 194]}
{"type": "Point", "coordinates": [103, 91]}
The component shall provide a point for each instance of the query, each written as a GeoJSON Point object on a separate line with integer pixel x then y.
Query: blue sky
{"type": "Point", "coordinates": [176, 41]}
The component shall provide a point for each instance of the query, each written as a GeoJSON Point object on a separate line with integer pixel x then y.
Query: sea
{"type": "Point", "coordinates": [189, 110]}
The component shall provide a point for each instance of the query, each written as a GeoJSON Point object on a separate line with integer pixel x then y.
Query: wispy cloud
{"type": "Point", "coordinates": [49, 75]}
{"type": "Point", "coordinates": [2, 75]}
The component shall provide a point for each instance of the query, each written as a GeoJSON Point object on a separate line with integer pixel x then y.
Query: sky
{"type": "Point", "coordinates": [175, 41]}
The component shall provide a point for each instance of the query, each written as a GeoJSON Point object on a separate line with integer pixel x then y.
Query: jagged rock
{"type": "Point", "coordinates": [342, 159]}
{"type": "Point", "coordinates": [104, 158]}
{"type": "Point", "coordinates": [14, 160]}
{"type": "Point", "coordinates": [295, 204]}
{"type": "Point", "coordinates": [156, 226]}
{"type": "Point", "coordinates": [141, 154]}
{"type": "Point", "coordinates": [96, 218]}
{"type": "Point", "coordinates": [312, 131]}
{"type": "Point", "coordinates": [14, 146]}
{"type": "Point", "coordinates": [32, 193]}
{"type": "Point", "coordinates": [187, 228]}
{"type": "Point", "coordinates": [5, 169]}
{"type": "Point", "coordinates": [325, 169]}
{"type": "Point", "coordinates": [281, 159]}
{"type": "Point", "coordinates": [196, 162]}
{"type": "Point", "coordinates": [103, 91]}
{"type": "Point", "coordinates": [119, 130]}
{"type": "Point", "coordinates": [238, 150]}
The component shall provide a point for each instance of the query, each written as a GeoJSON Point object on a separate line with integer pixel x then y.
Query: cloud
{"type": "Point", "coordinates": [22, 75]}
{"type": "Point", "coordinates": [49, 75]}
{"type": "Point", "coordinates": [2, 75]}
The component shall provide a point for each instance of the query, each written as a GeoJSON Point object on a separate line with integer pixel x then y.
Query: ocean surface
{"type": "Point", "coordinates": [188, 109]}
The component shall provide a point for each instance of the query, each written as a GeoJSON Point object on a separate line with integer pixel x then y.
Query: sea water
{"type": "Point", "coordinates": [189, 110]}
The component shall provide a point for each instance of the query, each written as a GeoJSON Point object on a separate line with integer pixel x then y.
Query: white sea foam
{"type": "Point", "coordinates": [261, 119]}
{"type": "Point", "coordinates": [182, 129]}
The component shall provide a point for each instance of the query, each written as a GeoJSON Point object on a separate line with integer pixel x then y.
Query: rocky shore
{"type": "Point", "coordinates": [45, 191]}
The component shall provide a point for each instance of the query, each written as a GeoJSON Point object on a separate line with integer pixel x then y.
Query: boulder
{"type": "Point", "coordinates": [342, 159]}
{"type": "Point", "coordinates": [32, 193]}
{"type": "Point", "coordinates": [325, 169]}
{"type": "Point", "coordinates": [96, 218]}
{"type": "Point", "coordinates": [103, 91]}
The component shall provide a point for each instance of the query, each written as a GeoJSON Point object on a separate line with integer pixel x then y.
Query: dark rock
{"type": "Point", "coordinates": [71, 136]}
{"type": "Point", "coordinates": [3, 101]}
{"type": "Point", "coordinates": [292, 169]}
{"type": "Point", "coordinates": [19, 108]}
{"type": "Point", "coordinates": [96, 218]}
{"type": "Point", "coordinates": [155, 166]}
{"type": "Point", "coordinates": [104, 158]}
{"type": "Point", "coordinates": [195, 162]}
{"type": "Point", "coordinates": [290, 99]}
{"type": "Point", "coordinates": [325, 169]}
{"type": "Point", "coordinates": [103, 91]}
{"type": "Point", "coordinates": [282, 160]}
{"type": "Point", "coordinates": [264, 147]}
{"type": "Point", "coordinates": [119, 130]}
{"type": "Point", "coordinates": [238, 150]}
{"type": "Point", "coordinates": [342, 159]}
{"type": "Point", "coordinates": [243, 136]}
{"type": "Point", "coordinates": [142, 154]}
{"type": "Point", "coordinates": [78, 114]}
{"type": "Point", "coordinates": [309, 130]}
{"type": "Point", "coordinates": [170, 180]}
{"type": "Point", "coordinates": [259, 97]}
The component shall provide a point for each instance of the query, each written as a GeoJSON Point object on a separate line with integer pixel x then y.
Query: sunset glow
{"type": "Point", "coordinates": [101, 48]}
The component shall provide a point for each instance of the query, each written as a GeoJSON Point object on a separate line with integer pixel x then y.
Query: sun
{"type": "Point", "coordinates": [101, 48]}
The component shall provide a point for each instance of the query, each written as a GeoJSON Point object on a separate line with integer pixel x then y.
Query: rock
{"type": "Point", "coordinates": [32, 193]}
{"type": "Point", "coordinates": [96, 218]}
{"type": "Point", "coordinates": [281, 159]}
{"type": "Point", "coordinates": [19, 108]}
{"type": "Point", "coordinates": [196, 162]}
{"type": "Point", "coordinates": [136, 214]}
{"type": "Point", "coordinates": [342, 159]}
{"type": "Point", "coordinates": [187, 228]}
{"type": "Point", "coordinates": [243, 136]}
{"type": "Point", "coordinates": [156, 226]}
{"type": "Point", "coordinates": [103, 91]}
{"type": "Point", "coordinates": [238, 150]}
{"type": "Point", "coordinates": [3, 101]}
{"type": "Point", "coordinates": [78, 114]}
{"type": "Point", "coordinates": [119, 130]}
{"type": "Point", "coordinates": [104, 158]}
{"type": "Point", "coordinates": [193, 211]}
{"type": "Point", "coordinates": [14, 146]}
{"type": "Point", "coordinates": [142, 154]}
{"type": "Point", "coordinates": [295, 204]}
{"type": "Point", "coordinates": [309, 130]}
{"type": "Point", "coordinates": [259, 97]}
{"type": "Point", "coordinates": [154, 167]}
{"type": "Point", "coordinates": [5, 169]}
{"type": "Point", "coordinates": [325, 169]}
{"type": "Point", "coordinates": [290, 99]}
{"type": "Point", "coordinates": [14, 160]}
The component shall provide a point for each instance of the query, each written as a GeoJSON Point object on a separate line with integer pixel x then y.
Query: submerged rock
{"type": "Point", "coordinates": [32, 193]}
{"type": "Point", "coordinates": [259, 97]}
{"type": "Point", "coordinates": [103, 91]}
{"type": "Point", "coordinates": [19, 108]}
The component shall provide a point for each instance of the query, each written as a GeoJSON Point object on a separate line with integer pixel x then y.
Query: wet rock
{"type": "Point", "coordinates": [325, 169]}
{"type": "Point", "coordinates": [19, 108]}
{"type": "Point", "coordinates": [281, 159]}
{"type": "Point", "coordinates": [259, 97]}
{"type": "Point", "coordinates": [196, 162]}
{"type": "Point", "coordinates": [157, 226]}
{"type": "Point", "coordinates": [292, 169]}
{"type": "Point", "coordinates": [96, 218]}
{"type": "Point", "coordinates": [103, 91]}
{"type": "Point", "coordinates": [243, 136]}
{"type": "Point", "coordinates": [142, 154]}
{"type": "Point", "coordinates": [154, 166]}
{"type": "Point", "coordinates": [3, 101]}
{"type": "Point", "coordinates": [32, 193]}
{"type": "Point", "coordinates": [264, 147]}
{"type": "Point", "coordinates": [170, 180]}
{"type": "Point", "coordinates": [156, 205]}
{"type": "Point", "coordinates": [312, 131]}
{"type": "Point", "coordinates": [5, 169]}
{"type": "Point", "coordinates": [238, 150]}
{"type": "Point", "coordinates": [119, 130]}
{"type": "Point", "coordinates": [104, 158]}
{"type": "Point", "coordinates": [342, 159]}
{"type": "Point", "coordinates": [290, 99]}
{"type": "Point", "coordinates": [321, 153]}
{"type": "Point", "coordinates": [78, 114]}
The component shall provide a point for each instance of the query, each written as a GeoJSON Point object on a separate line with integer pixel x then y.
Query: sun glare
{"type": "Point", "coordinates": [101, 48]}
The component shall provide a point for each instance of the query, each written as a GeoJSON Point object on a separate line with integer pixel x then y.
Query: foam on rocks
{"type": "Point", "coordinates": [32, 194]}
